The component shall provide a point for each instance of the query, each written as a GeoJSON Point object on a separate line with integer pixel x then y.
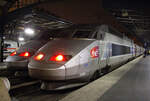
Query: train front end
{"type": "Point", "coordinates": [19, 59]}
{"type": "Point", "coordinates": [57, 64]}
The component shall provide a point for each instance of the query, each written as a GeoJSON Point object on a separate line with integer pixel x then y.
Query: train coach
{"type": "Point", "coordinates": [18, 60]}
{"type": "Point", "coordinates": [85, 54]}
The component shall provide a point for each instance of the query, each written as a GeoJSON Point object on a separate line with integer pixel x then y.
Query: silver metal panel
{"type": "Point", "coordinates": [47, 74]}
{"type": "Point", "coordinates": [87, 63]}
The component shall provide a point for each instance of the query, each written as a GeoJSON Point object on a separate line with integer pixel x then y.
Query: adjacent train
{"type": "Point", "coordinates": [81, 55]}
{"type": "Point", "coordinates": [19, 59]}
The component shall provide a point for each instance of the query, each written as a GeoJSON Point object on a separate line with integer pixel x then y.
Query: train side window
{"type": "Point", "coordinates": [120, 50]}
{"type": "Point", "coordinates": [82, 34]}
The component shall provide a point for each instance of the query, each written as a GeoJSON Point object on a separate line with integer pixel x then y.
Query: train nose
{"type": "Point", "coordinates": [49, 72]}
{"type": "Point", "coordinates": [48, 66]}
{"type": "Point", "coordinates": [49, 63]}
{"type": "Point", "coordinates": [18, 60]}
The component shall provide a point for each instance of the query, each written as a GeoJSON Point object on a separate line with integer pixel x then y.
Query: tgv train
{"type": "Point", "coordinates": [18, 60]}
{"type": "Point", "coordinates": [85, 54]}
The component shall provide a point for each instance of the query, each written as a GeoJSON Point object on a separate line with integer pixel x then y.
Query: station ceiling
{"type": "Point", "coordinates": [25, 16]}
{"type": "Point", "coordinates": [132, 14]}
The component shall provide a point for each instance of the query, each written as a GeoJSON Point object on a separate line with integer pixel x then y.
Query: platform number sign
{"type": "Point", "coordinates": [95, 52]}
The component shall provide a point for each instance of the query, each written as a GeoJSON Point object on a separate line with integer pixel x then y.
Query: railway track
{"type": "Point", "coordinates": [15, 78]}
{"type": "Point", "coordinates": [24, 88]}
{"type": "Point", "coordinates": [33, 93]}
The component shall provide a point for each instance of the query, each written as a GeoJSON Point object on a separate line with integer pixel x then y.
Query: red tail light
{"type": "Point", "coordinates": [60, 58]}
{"type": "Point", "coordinates": [25, 54]}
{"type": "Point", "coordinates": [38, 57]}
{"type": "Point", "coordinates": [13, 53]}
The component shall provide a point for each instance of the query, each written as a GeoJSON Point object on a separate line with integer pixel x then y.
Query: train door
{"type": "Point", "coordinates": [108, 53]}
{"type": "Point", "coordinates": [100, 44]}
{"type": "Point", "coordinates": [103, 55]}
{"type": "Point", "coordinates": [135, 49]}
{"type": "Point", "coordinates": [132, 51]}
{"type": "Point", "coordinates": [103, 49]}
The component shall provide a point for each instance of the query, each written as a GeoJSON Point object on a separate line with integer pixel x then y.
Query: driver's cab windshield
{"type": "Point", "coordinates": [71, 33]}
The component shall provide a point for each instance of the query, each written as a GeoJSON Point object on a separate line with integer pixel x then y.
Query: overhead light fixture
{"type": "Point", "coordinates": [29, 31]}
{"type": "Point", "coordinates": [21, 39]}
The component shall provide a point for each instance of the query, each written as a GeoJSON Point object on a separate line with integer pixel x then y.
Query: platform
{"type": "Point", "coordinates": [131, 82]}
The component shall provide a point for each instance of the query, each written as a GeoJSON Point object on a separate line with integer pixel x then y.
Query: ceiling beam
{"type": "Point", "coordinates": [131, 19]}
{"type": "Point", "coordinates": [134, 22]}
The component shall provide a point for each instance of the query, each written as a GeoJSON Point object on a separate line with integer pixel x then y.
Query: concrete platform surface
{"type": "Point", "coordinates": [4, 96]}
{"type": "Point", "coordinates": [131, 82]}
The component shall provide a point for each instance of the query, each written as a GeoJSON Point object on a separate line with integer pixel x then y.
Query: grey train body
{"type": "Point", "coordinates": [92, 55]}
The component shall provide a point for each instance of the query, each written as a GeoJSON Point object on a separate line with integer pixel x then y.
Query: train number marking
{"type": "Point", "coordinates": [95, 52]}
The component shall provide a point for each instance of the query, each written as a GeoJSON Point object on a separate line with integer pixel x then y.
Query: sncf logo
{"type": "Point", "coordinates": [95, 52]}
